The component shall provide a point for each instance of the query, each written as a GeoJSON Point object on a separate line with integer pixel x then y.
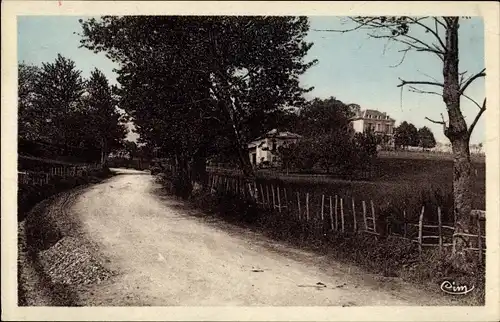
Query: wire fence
{"type": "Point", "coordinates": [350, 216]}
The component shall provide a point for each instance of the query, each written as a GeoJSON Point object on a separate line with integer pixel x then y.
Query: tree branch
{"type": "Point", "coordinates": [473, 101]}
{"type": "Point", "coordinates": [436, 122]}
{"type": "Point", "coordinates": [361, 24]}
{"type": "Point", "coordinates": [445, 130]}
{"type": "Point", "coordinates": [412, 44]}
{"type": "Point", "coordinates": [478, 116]}
{"type": "Point", "coordinates": [404, 51]}
{"type": "Point", "coordinates": [432, 32]}
{"type": "Point", "coordinates": [419, 91]}
{"type": "Point", "coordinates": [462, 74]}
{"type": "Point", "coordinates": [403, 83]}
{"type": "Point", "coordinates": [436, 19]}
{"type": "Point", "coordinates": [471, 79]}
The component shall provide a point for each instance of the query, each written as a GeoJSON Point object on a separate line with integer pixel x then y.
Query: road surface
{"type": "Point", "coordinates": [164, 256]}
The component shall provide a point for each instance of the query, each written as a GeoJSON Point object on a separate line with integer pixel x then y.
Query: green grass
{"type": "Point", "coordinates": [398, 185]}
{"type": "Point", "coordinates": [385, 256]}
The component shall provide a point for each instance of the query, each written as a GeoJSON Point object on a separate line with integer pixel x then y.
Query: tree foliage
{"type": "Point", "coordinates": [198, 86]}
{"type": "Point", "coordinates": [58, 90]}
{"type": "Point", "coordinates": [28, 121]}
{"type": "Point", "coordinates": [426, 138]}
{"type": "Point", "coordinates": [56, 105]}
{"type": "Point", "coordinates": [328, 141]}
{"type": "Point", "coordinates": [405, 135]}
{"type": "Point", "coordinates": [105, 126]}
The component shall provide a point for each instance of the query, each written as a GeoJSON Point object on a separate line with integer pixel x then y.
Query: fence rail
{"type": "Point", "coordinates": [333, 213]}
{"type": "Point", "coordinates": [41, 178]}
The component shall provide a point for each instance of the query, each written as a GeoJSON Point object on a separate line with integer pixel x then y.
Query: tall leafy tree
{"type": "Point", "coordinates": [204, 79]}
{"type": "Point", "coordinates": [104, 125]}
{"type": "Point", "coordinates": [29, 115]}
{"type": "Point", "coordinates": [426, 138]}
{"type": "Point", "coordinates": [405, 135]}
{"type": "Point", "coordinates": [325, 116]}
{"type": "Point", "coordinates": [59, 88]}
{"type": "Point", "coordinates": [439, 37]}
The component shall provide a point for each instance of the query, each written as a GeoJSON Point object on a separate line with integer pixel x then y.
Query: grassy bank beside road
{"type": "Point", "coordinates": [39, 230]}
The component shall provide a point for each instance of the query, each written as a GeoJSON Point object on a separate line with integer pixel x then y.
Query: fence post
{"type": "Point", "coordinates": [262, 195]}
{"type": "Point", "coordinates": [342, 213]}
{"type": "Point", "coordinates": [268, 199]}
{"type": "Point", "coordinates": [46, 178]}
{"type": "Point", "coordinates": [364, 215]}
{"type": "Point", "coordinates": [274, 199]}
{"type": "Point", "coordinates": [307, 206]}
{"type": "Point", "coordinates": [286, 198]}
{"type": "Point", "coordinates": [373, 217]}
{"type": "Point", "coordinates": [354, 216]}
{"type": "Point", "coordinates": [405, 234]}
{"type": "Point", "coordinates": [279, 199]}
{"type": "Point", "coordinates": [336, 213]}
{"type": "Point", "coordinates": [479, 240]}
{"type": "Point", "coordinates": [298, 203]}
{"type": "Point", "coordinates": [250, 191]}
{"type": "Point", "coordinates": [420, 228]}
{"type": "Point", "coordinates": [331, 213]}
{"type": "Point", "coordinates": [440, 230]}
{"type": "Point", "coordinates": [322, 209]}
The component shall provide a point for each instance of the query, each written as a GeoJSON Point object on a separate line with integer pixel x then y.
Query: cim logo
{"type": "Point", "coordinates": [454, 288]}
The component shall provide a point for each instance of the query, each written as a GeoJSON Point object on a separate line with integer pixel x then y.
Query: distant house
{"type": "Point", "coordinates": [375, 120]}
{"type": "Point", "coordinates": [261, 149]}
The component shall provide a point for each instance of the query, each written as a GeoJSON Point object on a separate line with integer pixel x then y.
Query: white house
{"type": "Point", "coordinates": [261, 149]}
{"type": "Point", "coordinates": [375, 120]}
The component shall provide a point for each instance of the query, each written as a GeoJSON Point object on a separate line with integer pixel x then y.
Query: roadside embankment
{"type": "Point", "coordinates": [53, 254]}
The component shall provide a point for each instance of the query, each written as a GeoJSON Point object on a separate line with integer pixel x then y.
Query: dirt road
{"type": "Point", "coordinates": [166, 257]}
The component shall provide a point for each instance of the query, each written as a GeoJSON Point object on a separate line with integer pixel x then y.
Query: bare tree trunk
{"type": "Point", "coordinates": [230, 110]}
{"type": "Point", "coordinates": [458, 134]}
{"type": "Point", "coordinates": [104, 153]}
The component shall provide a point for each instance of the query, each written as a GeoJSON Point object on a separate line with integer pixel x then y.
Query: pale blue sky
{"type": "Point", "coordinates": [352, 67]}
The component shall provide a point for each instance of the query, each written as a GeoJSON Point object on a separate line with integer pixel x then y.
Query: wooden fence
{"type": "Point", "coordinates": [334, 213]}
{"type": "Point", "coordinates": [43, 178]}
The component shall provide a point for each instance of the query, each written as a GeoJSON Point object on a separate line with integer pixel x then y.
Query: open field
{"type": "Point", "coordinates": [426, 155]}
{"type": "Point", "coordinates": [399, 184]}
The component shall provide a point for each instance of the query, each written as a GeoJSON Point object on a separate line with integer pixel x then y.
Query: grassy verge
{"type": "Point", "coordinates": [39, 231]}
{"type": "Point", "coordinates": [385, 256]}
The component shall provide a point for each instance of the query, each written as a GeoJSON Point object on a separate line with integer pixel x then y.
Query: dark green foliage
{"type": "Point", "coordinates": [29, 122]}
{"type": "Point", "coordinates": [329, 143]}
{"type": "Point", "coordinates": [405, 135]}
{"type": "Point", "coordinates": [58, 90]}
{"type": "Point", "coordinates": [104, 126]}
{"type": "Point", "coordinates": [57, 107]}
{"type": "Point", "coordinates": [201, 86]}
{"type": "Point", "coordinates": [426, 138]}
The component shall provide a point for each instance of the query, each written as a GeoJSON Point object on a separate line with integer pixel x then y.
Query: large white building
{"type": "Point", "coordinates": [375, 120]}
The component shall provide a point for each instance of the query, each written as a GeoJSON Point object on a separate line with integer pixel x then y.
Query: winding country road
{"type": "Point", "coordinates": [165, 256]}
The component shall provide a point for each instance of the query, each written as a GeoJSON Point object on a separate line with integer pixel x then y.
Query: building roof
{"type": "Point", "coordinates": [371, 114]}
{"type": "Point", "coordinates": [274, 133]}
